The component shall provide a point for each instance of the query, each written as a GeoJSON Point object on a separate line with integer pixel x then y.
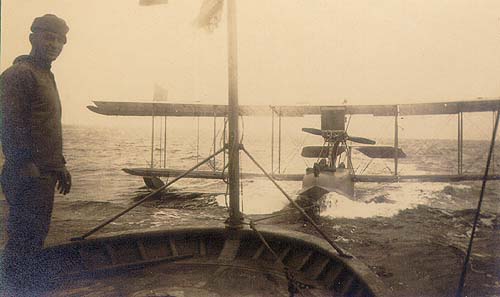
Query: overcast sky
{"type": "Point", "coordinates": [290, 51]}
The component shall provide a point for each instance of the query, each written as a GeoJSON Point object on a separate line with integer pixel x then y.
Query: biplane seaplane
{"type": "Point", "coordinates": [333, 171]}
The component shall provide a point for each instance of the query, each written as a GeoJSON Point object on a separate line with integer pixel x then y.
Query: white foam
{"type": "Point", "coordinates": [396, 197]}
{"type": "Point", "coordinates": [260, 196]}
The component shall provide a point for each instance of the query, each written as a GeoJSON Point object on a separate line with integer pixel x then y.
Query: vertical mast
{"type": "Point", "coordinates": [235, 216]}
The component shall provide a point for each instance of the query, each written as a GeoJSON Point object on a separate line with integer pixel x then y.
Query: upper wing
{"type": "Point", "coordinates": [210, 110]}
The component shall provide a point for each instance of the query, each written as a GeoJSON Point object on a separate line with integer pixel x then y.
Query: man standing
{"type": "Point", "coordinates": [32, 145]}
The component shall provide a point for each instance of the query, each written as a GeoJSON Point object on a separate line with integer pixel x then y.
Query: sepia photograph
{"type": "Point", "coordinates": [236, 148]}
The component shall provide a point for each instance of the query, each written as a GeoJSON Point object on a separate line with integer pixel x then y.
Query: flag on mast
{"type": "Point", "coordinates": [152, 2]}
{"type": "Point", "coordinates": [210, 14]}
{"type": "Point", "coordinates": [160, 93]}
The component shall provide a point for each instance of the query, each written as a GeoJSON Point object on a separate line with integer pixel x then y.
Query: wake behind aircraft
{"type": "Point", "coordinates": [333, 171]}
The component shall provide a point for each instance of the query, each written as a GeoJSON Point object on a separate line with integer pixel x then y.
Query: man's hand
{"type": "Point", "coordinates": [63, 181]}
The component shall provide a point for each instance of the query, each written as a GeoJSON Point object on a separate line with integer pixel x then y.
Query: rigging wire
{"type": "Point", "coordinates": [348, 122]}
{"type": "Point", "coordinates": [152, 134]}
{"type": "Point", "coordinates": [293, 154]}
{"type": "Point", "coordinates": [220, 133]}
{"type": "Point", "coordinates": [388, 168]}
{"type": "Point", "coordinates": [460, 143]}
{"type": "Point", "coordinates": [445, 123]}
{"type": "Point", "coordinates": [143, 199]}
{"type": "Point", "coordinates": [214, 140]}
{"type": "Point", "coordinates": [475, 161]}
{"type": "Point", "coordinates": [225, 178]}
{"type": "Point", "coordinates": [294, 286]}
{"type": "Point", "coordinates": [379, 135]}
{"type": "Point", "coordinates": [165, 145]}
{"type": "Point", "coordinates": [241, 183]}
{"type": "Point", "coordinates": [160, 152]}
{"type": "Point", "coordinates": [493, 153]}
{"type": "Point", "coordinates": [478, 128]}
{"type": "Point", "coordinates": [321, 152]}
{"type": "Point", "coordinates": [272, 140]}
{"type": "Point", "coordinates": [197, 138]}
{"type": "Point", "coordinates": [294, 204]}
{"type": "Point", "coordinates": [242, 121]}
{"type": "Point", "coordinates": [216, 134]}
{"type": "Point", "coordinates": [225, 198]}
{"type": "Point", "coordinates": [480, 156]}
{"type": "Point", "coordinates": [224, 136]}
{"type": "Point", "coordinates": [366, 167]}
{"type": "Point", "coordinates": [279, 141]}
{"type": "Point", "coordinates": [478, 211]}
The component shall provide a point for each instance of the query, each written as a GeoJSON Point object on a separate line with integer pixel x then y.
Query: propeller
{"type": "Point", "coordinates": [356, 139]}
{"type": "Point", "coordinates": [313, 131]}
{"type": "Point", "coordinates": [361, 140]}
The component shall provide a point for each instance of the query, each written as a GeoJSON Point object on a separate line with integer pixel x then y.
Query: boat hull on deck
{"type": "Point", "coordinates": [206, 261]}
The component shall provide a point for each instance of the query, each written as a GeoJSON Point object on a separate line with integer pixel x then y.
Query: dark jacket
{"type": "Point", "coordinates": [31, 115]}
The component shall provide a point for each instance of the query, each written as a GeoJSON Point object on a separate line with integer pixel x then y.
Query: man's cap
{"type": "Point", "coordinates": [49, 23]}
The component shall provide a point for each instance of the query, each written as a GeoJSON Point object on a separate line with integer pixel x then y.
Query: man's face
{"type": "Point", "coordinates": [48, 45]}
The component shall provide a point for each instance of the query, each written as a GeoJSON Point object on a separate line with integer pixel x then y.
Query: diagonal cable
{"type": "Point", "coordinates": [294, 204]}
{"type": "Point", "coordinates": [478, 211]}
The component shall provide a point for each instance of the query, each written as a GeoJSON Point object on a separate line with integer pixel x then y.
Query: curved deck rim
{"type": "Point", "coordinates": [269, 232]}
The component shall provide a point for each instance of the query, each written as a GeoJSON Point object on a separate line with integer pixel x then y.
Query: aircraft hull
{"type": "Point", "coordinates": [339, 181]}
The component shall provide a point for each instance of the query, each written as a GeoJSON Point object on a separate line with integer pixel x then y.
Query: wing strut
{"type": "Point", "coordinates": [197, 138]}
{"type": "Point", "coordinates": [460, 156]}
{"type": "Point", "coordinates": [272, 140]}
{"type": "Point", "coordinates": [215, 140]}
{"type": "Point", "coordinates": [279, 142]}
{"type": "Point", "coordinates": [165, 143]}
{"type": "Point", "coordinates": [396, 139]}
{"type": "Point", "coordinates": [278, 112]}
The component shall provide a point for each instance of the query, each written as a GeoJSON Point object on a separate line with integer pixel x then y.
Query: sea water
{"type": "Point", "coordinates": [97, 154]}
